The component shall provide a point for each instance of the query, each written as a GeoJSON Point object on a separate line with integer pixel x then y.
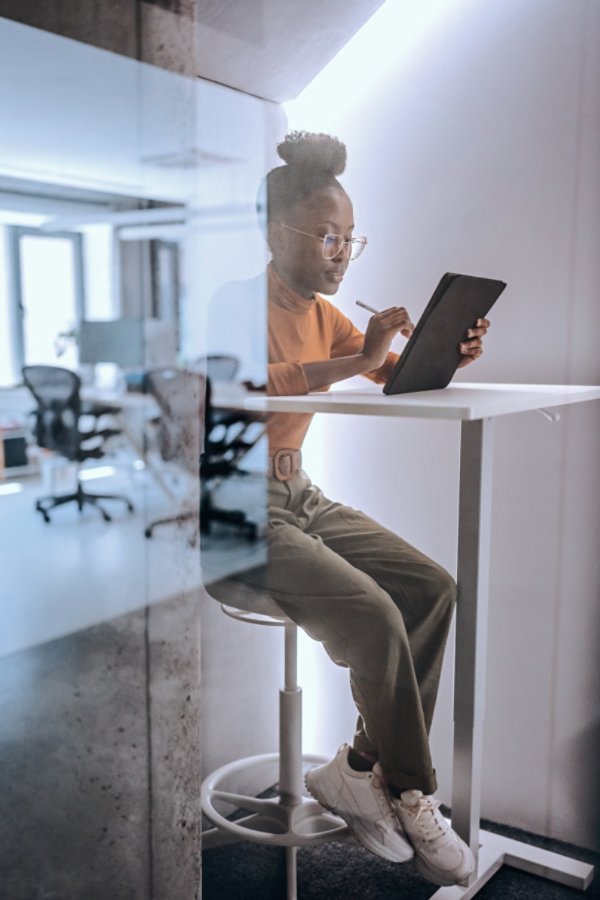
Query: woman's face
{"type": "Point", "coordinates": [298, 258]}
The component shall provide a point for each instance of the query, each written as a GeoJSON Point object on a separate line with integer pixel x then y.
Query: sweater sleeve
{"type": "Point", "coordinates": [286, 378]}
{"type": "Point", "coordinates": [348, 340]}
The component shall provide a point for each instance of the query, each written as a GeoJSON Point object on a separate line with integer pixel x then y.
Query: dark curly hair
{"type": "Point", "coordinates": [312, 163]}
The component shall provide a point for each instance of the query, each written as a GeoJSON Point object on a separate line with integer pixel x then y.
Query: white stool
{"type": "Point", "coordinates": [290, 819]}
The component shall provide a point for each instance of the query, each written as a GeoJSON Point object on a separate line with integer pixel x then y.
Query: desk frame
{"type": "Point", "coordinates": [474, 405]}
{"type": "Point", "coordinates": [474, 522]}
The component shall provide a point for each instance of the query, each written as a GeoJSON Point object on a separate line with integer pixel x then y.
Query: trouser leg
{"type": "Point", "coordinates": [359, 623]}
{"type": "Point", "coordinates": [422, 590]}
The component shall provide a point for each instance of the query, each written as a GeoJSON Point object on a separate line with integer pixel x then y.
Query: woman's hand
{"type": "Point", "coordinates": [381, 330]}
{"type": "Point", "coordinates": [472, 346]}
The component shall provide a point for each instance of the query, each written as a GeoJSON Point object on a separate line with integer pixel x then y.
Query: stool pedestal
{"type": "Point", "coordinates": [288, 818]}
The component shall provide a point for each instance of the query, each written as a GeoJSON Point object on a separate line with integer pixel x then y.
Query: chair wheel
{"type": "Point", "coordinates": [105, 515]}
{"type": "Point", "coordinates": [130, 507]}
{"type": "Point", "coordinates": [148, 532]}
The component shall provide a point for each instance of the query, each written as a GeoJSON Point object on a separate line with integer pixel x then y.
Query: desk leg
{"type": "Point", "coordinates": [474, 518]}
{"type": "Point", "coordinates": [490, 850]}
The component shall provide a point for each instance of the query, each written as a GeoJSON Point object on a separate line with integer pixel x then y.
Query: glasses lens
{"type": "Point", "coordinates": [357, 245]}
{"type": "Point", "coordinates": [332, 244]}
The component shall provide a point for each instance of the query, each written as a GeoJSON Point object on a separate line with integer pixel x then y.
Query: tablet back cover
{"type": "Point", "coordinates": [431, 355]}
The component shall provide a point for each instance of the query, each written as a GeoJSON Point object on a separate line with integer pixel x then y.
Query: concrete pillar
{"type": "Point", "coordinates": [99, 761]}
{"type": "Point", "coordinates": [161, 33]}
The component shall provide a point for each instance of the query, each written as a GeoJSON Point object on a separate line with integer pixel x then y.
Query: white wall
{"type": "Point", "coordinates": [477, 151]}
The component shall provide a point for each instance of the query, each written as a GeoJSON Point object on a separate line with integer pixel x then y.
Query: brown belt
{"type": "Point", "coordinates": [284, 464]}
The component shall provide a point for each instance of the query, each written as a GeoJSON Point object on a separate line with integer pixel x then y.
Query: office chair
{"type": "Point", "coordinates": [180, 396]}
{"type": "Point", "coordinates": [191, 435]}
{"type": "Point", "coordinates": [220, 367]}
{"type": "Point", "coordinates": [229, 436]}
{"type": "Point", "coordinates": [57, 394]}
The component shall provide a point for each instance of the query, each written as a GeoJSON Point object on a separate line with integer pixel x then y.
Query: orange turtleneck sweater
{"type": "Point", "coordinates": [302, 331]}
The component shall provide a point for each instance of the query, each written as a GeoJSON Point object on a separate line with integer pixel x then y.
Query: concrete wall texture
{"type": "Point", "coordinates": [147, 31]}
{"type": "Point", "coordinates": [99, 761]}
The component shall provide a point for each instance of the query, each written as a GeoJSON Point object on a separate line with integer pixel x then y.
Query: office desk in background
{"type": "Point", "coordinates": [475, 406]}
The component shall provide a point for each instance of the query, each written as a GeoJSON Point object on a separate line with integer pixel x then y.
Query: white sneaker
{"type": "Point", "coordinates": [362, 801]}
{"type": "Point", "coordinates": [441, 856]}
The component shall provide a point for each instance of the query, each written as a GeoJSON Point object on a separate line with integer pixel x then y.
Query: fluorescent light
{"type": "Point", "coordinates": [13, 217]}
{"type": "Point", "coordinates": [118, 217]}
{"type": "Point", "coordinates": [97, 472]}
{"type": "Point", "coordinates": [12, 488]}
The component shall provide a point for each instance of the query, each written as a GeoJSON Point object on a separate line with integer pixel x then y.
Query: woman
{"type": "Point", "coordinates": [379, 606]}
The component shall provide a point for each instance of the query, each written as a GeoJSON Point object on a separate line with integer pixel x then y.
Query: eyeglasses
{"type": "Point", "coordinates": [333, 244]}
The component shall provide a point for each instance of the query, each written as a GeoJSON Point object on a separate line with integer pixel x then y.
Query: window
{"type": "Point", "coordinates": [48, 295]}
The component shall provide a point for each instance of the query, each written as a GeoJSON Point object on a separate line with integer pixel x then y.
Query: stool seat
{"type": "Point", "coordinates": [231, 593]}
{"type": "Point", "coordinates": [278, 811]}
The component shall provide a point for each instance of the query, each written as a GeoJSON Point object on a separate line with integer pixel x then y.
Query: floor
{"type": "Point", "coordinates": [349, 872]}
{"type": "Point", "coordinates": [78, 570]}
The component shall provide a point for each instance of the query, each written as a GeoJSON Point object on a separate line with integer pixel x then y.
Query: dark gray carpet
{"type": "Point", "coordinates": [348, 872]}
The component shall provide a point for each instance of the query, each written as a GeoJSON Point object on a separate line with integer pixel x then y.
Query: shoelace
{"type": "Point", "coordinates": [434, 824]}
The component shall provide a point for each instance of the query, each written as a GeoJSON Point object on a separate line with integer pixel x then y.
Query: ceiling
{"type": "Point", "coordinates": [274, 48]}
{"type": "Point", "coordinates": [269, 48]}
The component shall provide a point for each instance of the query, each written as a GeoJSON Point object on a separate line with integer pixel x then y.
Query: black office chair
{"type": "Point", "coordinates": [220, 367]}
{"type": "Point", "coordinates": [189, 435]}
{"type": "Point", "coordinates": [229, 436]}
{"type": "Point", "coordinates": [57, 394]}
{"type": "Point", "coordinates": [180, 395]}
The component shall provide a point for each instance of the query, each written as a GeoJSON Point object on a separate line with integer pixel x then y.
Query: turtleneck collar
{"type": "Point", "coordinates": [284, 296]}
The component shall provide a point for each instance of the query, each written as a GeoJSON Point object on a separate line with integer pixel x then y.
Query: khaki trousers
{"type": "Point", "coordinates": [378, 606]}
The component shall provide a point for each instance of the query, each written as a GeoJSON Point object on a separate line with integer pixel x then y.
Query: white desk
{"type": "Point", "coordinates": [474, 406]}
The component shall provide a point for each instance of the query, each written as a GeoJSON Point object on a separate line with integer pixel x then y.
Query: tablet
{"type": "Point", "coordinates": [431, 355]}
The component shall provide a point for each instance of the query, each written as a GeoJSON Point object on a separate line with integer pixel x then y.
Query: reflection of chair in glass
{"type": "Point", "coordinates": [219, 367]}
{"type": "Point", "coordinates": [56, 392]}
{"type": "Point", "coordinates": [229, 436]}
{"type": "Point", "coordinates": [190, 437]}
{"type": "Point", "coordinates": [180, 396]}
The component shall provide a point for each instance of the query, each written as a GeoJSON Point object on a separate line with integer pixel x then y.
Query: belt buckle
{"type": "Point", "coordinates": [283, 465]}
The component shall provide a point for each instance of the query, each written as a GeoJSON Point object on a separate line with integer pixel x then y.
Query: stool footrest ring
{"type": "Point", "coordinates": [282, 822]}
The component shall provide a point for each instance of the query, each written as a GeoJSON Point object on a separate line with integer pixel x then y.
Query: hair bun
{"type": "Point", "coordinates": [317, 152]}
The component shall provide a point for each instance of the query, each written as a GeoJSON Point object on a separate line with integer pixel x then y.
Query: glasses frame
{"type": "Point", "coordinates": [347, 243]}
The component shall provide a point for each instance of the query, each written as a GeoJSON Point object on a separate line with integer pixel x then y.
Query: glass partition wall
{"type": "Point", "coordinates": [121, 225]}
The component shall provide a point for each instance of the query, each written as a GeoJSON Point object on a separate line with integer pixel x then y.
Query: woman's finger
{"type": "Point", "coordinates": [471, 347]}
{"type": "Point", "coordinates": [392, 313]}
{"type": "Point", "coordinates": [476, 332]}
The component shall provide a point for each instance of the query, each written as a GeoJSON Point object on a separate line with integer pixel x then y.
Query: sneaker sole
{"type": "Point", "coordinates": [433, 877]}
{"type": "Point", "coordinates": [362, 835]}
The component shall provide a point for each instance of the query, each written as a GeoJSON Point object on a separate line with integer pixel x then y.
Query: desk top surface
{"type": "Point", "coordinates": [459, 401]}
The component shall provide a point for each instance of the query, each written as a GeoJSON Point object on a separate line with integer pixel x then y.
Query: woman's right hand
{"type": "Point", "coordinates": [381, 330]}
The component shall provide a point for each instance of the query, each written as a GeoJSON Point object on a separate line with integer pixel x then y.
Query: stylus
{"type": "Point", "coordinates": [366, 306]}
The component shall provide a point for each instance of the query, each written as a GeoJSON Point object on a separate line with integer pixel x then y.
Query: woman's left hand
{"type": "Point", "coordinates": [471, 347]}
